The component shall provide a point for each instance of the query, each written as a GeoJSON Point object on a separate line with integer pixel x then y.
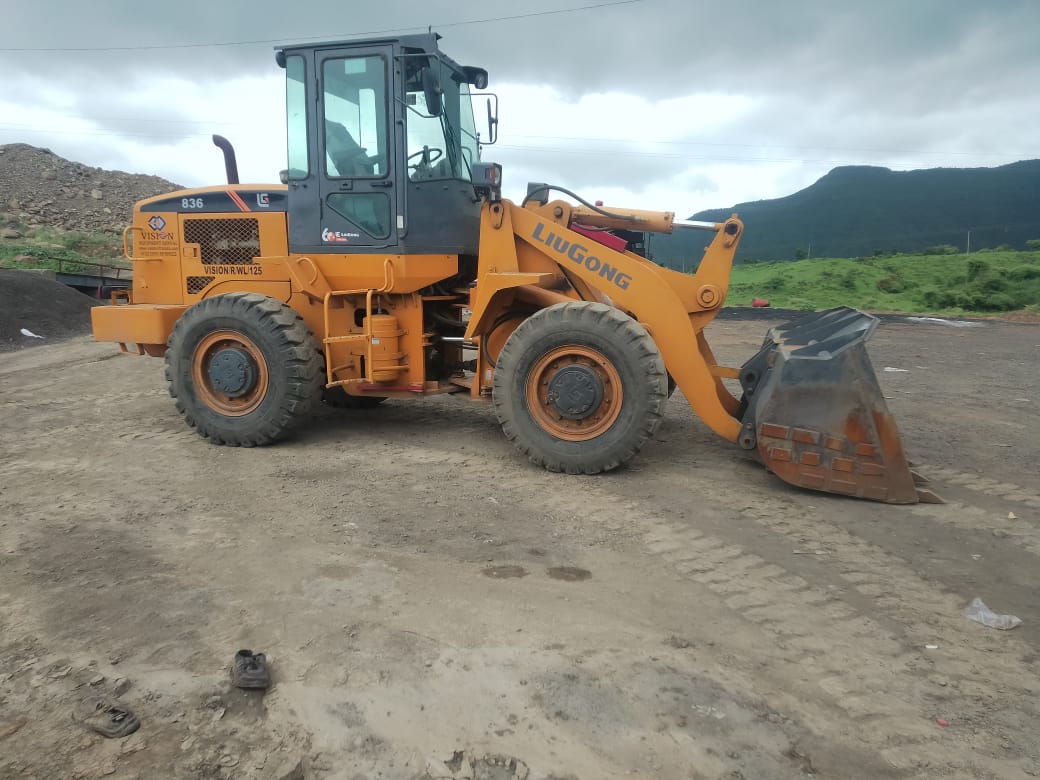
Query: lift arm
{"type": "Point", "coordinates": [673, 307]}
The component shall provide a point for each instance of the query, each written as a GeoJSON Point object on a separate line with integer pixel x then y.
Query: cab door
{"type": "Point", "coordinates": [348, 200]}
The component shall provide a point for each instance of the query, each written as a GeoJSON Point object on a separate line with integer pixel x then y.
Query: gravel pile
{"type": "Point", "coordinates": [40, 188]}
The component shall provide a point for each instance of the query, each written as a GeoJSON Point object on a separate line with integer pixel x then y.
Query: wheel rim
{"type": "Point", "coordinates": [229, 373]}
{"type": "Point", "coordinates": [574, 393]}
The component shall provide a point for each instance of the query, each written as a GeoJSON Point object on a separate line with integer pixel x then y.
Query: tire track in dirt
{"type": "Point", "coordinates": [863, 670]}
{"type": "Point", "coordinates": [1023, 533]}
{"type": "Point", "coordinates": [163, 437]}
{"type": "Point", "coordinates": [926, 614]}
{"type": "Point", "coordinates": [622, 516]}
{"type": "Point", "coordinates": [875, 677]}
{"type": "Point", "coordinates": [71, 404]}
{"type": "Point", "coordinates": [101, 416]}
{"type": "Point", "coordinates": [818, 637]}
{"type": "Point", "coordinates": [985, 485]}
{"type": "Point", "coordinates": [158, 436]}
{"type": "Point", "coordinates": [922, 612]}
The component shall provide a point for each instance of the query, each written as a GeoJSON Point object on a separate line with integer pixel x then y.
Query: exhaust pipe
{"type": "Point", "coordinates": [230, 163]}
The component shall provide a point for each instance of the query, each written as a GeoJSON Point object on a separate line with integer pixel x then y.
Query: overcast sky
{"type": "Point", "coordinates": [678, 105]}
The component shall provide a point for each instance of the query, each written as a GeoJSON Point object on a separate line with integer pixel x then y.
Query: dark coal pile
{"type": "Point", "coordinates": [42, 306]}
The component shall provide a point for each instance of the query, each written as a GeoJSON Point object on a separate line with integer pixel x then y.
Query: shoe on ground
{"type": "Point", "coordinates": [249, 670]}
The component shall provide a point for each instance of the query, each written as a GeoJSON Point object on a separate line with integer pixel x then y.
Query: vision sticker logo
{"type": "Point", "coordinates": [263, 200]}
{"type": "Point", "coordinates": [157, 242]}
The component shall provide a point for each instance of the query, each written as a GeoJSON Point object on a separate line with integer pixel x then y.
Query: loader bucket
{"type": "Point", "coordinates": [814, 409]}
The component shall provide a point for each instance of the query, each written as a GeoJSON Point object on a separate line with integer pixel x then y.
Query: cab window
{"type": "Point", "coordinates": [355, 117]}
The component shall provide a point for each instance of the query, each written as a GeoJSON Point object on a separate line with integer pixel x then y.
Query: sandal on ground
{"type": "Point", "coordinates": [108, 718]}
{"type": "Point", "coordinates": [249, 670]}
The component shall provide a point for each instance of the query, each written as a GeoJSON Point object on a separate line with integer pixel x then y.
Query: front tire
{"type": "Point", "coordinates": [579, 387]}
{"type": "Point", "coordinates": [244, 369]}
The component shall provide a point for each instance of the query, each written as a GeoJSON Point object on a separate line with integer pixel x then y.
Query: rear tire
{"type": "Point", "coordinates": [244, 369]}
{"type": "Point", "coordinates": [579, 387]}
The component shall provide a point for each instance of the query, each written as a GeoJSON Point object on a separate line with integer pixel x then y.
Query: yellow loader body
{"type": "Point", "coordinates": [388, 265]}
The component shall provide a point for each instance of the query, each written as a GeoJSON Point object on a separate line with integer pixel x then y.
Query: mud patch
{"type": "Point", "coordinates": [569, 573]}
{"type": "Point", "coordinates": [678, 642]}
{"type": "Point", "coordinates": [245, 704]}
{"type": "Point", "coordinates": [801, 760]}
{"type": "Point", "coordinates": [504, 572]}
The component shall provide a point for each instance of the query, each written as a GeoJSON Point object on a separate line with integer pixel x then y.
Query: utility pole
{"type": "Point", "coordinates": [968, 250]}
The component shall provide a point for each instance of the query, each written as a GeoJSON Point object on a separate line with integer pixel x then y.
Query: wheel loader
{"type": "Point", "coordinates": [387, 264]}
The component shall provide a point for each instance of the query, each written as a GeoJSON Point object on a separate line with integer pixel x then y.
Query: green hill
{"type": "Point", "coordinates": [859, 211]}
{"type": "Point", "coordinates": [982, 282]}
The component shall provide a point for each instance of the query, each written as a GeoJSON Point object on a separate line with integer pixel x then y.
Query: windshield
{"type": "Point", "coordinates": [445, 146]}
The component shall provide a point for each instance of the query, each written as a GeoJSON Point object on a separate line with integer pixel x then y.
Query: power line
{"type": "Point", "coordinates": [11, 127]}
{"type": "Point", "coordinates": [203, 123]}
{"type": "Point", "coordinates": [8, 128]}
{"type": "Point", "coordinates": [700, 157]}
{"type": "Point", "coordinates": [866, 150]}
{"type": "Point", "coordinates": [514, 17]}
{"type": "Point", "coordinates": [567, 138]}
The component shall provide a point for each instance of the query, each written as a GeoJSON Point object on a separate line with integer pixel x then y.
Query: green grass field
{"type": "Point", "coordinates": [985, 282]}
{"type": "Point", "coordinates": [53, 249]}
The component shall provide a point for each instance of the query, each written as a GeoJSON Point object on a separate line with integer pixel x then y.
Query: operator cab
{"type": "Point", "coordinates": [381, 148]}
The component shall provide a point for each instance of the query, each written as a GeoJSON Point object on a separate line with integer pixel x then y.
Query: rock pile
{"type": "Point", "coordinates": [38, 187]}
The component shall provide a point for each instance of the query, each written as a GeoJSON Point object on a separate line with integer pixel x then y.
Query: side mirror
{"type": "Point", "coordinates": [492, 119]}
{"type": "Point", "coordinates": [432, 91]}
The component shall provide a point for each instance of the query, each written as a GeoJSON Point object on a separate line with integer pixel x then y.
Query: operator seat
{"type": "Point", "coordinates": [348, 157]}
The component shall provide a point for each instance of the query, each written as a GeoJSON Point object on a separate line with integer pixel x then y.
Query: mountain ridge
{"type": "Point", "coordinates": [851, 211]}
{"type": "Point", "coordinates": [854, 211]}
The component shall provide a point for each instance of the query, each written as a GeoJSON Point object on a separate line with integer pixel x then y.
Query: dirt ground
{"type": "Point", "coordinates": [435, 606]}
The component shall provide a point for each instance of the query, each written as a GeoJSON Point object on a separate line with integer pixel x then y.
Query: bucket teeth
{"type": "Point", "coordinates": [918, 478]}
{"type": "Point", "coordinates": [926, 496]}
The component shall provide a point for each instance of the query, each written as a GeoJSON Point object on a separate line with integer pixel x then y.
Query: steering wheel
{"type": "Point", "coordinates": [427, 156]}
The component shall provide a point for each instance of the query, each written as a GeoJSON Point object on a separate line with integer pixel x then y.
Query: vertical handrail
{"type": "Point", "coordinates": [369, 292]}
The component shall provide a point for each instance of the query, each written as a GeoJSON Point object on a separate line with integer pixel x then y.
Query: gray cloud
{"type": "Point", "coordinates": [653, 47]}
{"type": "Point", "coordinates": [929, 82]}
{"type": "Point", "coordinates": [589, 163]}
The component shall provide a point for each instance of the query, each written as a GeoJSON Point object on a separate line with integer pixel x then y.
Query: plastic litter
{"type": "Point", "coordinates": [892, 370]}
{"type": "Point", "coordinates": [980, 613]}
{"type": "Point", "coordinates": [951, 323]}
{"type": "Point", "coordinates": [942, 722]}
{"type": "Point", "coordinates": [29, 333]}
